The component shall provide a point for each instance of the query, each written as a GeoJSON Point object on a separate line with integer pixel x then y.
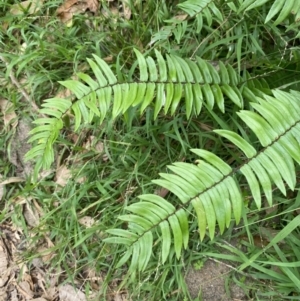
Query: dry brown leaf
{"type": "Point", "coordinates": [68, 293]}
{"type": "Point", "coordinates": [3, 259]}
{"type": "Point", "coordinates": [93, 143]}
{"type": "Point", "coordinates": [4, 269]}
{"type": "Point", "coordinates": [3, 295]}
{"type": "Point", "coordinates": [181, 17]}
{"type": "Point", "coordinates": [126, 10]}
{"type": "Point", "coordinates": [63, 174]}
{"type": "Point", "coordinates": [86, 221]}
{"type": "Point", "coordinates": [31, 215]}
{"type": "Point", "coordinates": [30, 7]}
{"type": "Point", "coordinates": [19, 147]}
{"type": "Point", "coordinates": [93, 5]}
{"type": "Point", "coordinates": [12, 180]}
{"type": "Point", "coordinates": [25, 290]}
{"type": "Point", "coordinates": [72, 7]}
{"type": "Point", "coordinates": [9, 115]}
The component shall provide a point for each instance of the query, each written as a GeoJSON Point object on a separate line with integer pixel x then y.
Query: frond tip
{"type": "Point", "coordinates": [211, 186]}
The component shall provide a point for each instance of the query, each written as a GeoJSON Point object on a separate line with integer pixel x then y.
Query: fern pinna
{"type": "Point", "coordinates": [162, 84]}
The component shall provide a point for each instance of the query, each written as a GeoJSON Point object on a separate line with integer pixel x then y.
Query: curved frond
{"type": "Point", "coordinates": [211, 186]}
{"type": "Point", "coordinates": [163, 83]}
{"type": "Point", "coordinates": [280, 8]}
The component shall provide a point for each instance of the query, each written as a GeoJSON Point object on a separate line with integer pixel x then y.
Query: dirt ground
{"type": "Point", "coordinates": [209, 283]}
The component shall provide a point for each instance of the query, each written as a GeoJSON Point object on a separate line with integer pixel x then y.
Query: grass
{"type": "Point", "coordinates": [123, 156]}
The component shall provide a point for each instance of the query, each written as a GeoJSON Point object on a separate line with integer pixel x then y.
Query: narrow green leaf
{"type": "Point", "coordinates": [259, 126]}
{"type": "Point", "coordinates": [230, 93]}
{"type": "Point", "coordinates": [141, 89]}
{"type": "Point", "coordinates": [201, 216]}
{"type": "Point", "coordinates": [279, 237]}
{"type": "Point", "coordinates": [160, 99]}
{"type": "Point", "coordinates": [148, 96]}
{"type": "Point", "coordinates": [209, 96]}
{"type": "Point", "coordinates": [174, 189]}
{"type": "Point", "coordinates": [177, 234]}
{"type": "Point", "coordinates": [224, 76]}
{"type": "Point", "coordinates": [152, 69]}
{"type": "Point", "coordinates": [125, 257]}
{"type": "Point", "coordinates": [285, 11]}
{"type": "Point", "coordinates": [87, 79]}
{"type": "Point", "coordinates": [218, 95]}
{"type": "Point", "coordinates": [176, 97]}
{"type": "Point", "coordinates": [143, 209]}
{"type": "Point", "coordinates": [253, 184]}
{"type": "Point", "coordinates": [210, 214]}
{"type": "Point", "coordinates": [130, 97]}
{"type": "Point", "coordinates": [179, 70]}
{"type": "Point", "coordinates": [189, 99]}
{"type": "Point", "coordinates": [166, 240]}
{"type": "Point", "coordinates": [146, 242]}
{"type": "Point", "coordinates": [235, 197]}
{"type": "Point", "coordinates": [169, 96]}
{"type": "Point", "coordinates": [198, 98]}
{"type": "Point", "coordinates": [180, 182]}
{"type": "Point", "coordinates": [142, 66]}
{"type": "Point", "coordinates": [263, 178]}
{"type": "Point", "coordinates": [161, 202]}
{"type": "Point", "coordinates": [195, 69]}
{"type": "Point", "coordinates": [271, 114]}
{"type": "Point", "coordinates": [214, 160]}
{"type": "Point", "coordinates": [182, 218]}
{"type": "Point", "coordinates": [219, 208]}
{"type": "Point", "coordinates": [117, 102]}
{"type": "Point", "coordinates": [98, 73]}
{"type": "Point", "coordinates": [146, 224]}
{"type": "Point", "coordinates": [188, 173]}
{"type": "Point", "coordinates": [281, 165]}
{"type": "Point", "coordinates": [172, 70]}
{"type": "Point", "coordinates": [257, 3]}
{"type": "Point", "coordinates": [272, 171]}
{"type": "Point", "coordinates": [162, 67]}
{"type": "Point", "coordinates": [106, 70]}
{"type": "Point", "coordinates": [237, 140]}
{"type": "Point", "coordinates": [117, 240]}
{"type": "Point", "coordinates": [204, 70]}
{"type": "Point", "coordinates": [276, 7]}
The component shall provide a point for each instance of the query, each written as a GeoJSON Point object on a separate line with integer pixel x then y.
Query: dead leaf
{"type": "Point", "coordinates": [68, 293]}
{"type": "Point", "coordinates": [181, 17]}
{"type": "Point", "coordinates": [9, 115]}
{"type": "Point", "coordinates": [19, 147]}
{"type": "Point", "coordinates": [93, 5]}
{"type": "Point", "coordinates": [72, 7]}
{"type": "Point", "coordinates": [126, 10]}
{"type": "Point", "coordinates": [30, 7]}
{"type": "Point", "coordinates": [63, 174]}
{"type": "Point", "coordinates": [86, 221]}
{"type": "Point", "coordinates": [25, 290]}
{"type": "Point", "coordinates": [31, 215]}
{"type": "Point", "coordinates": [12, 180]}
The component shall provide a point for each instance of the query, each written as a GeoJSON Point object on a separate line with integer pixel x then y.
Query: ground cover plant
{"type": "Point", "coordinates": [142, 140]}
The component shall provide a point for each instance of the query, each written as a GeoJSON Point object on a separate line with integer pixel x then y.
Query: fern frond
{"type": "Point", "coordinates": [205, 8]}
{"type": "Point", "coordinates": [211, 186]}
{"type": "Point", "coordinates": [163, 82]}
{"type": "Point", "coordinates": [281, 8]}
